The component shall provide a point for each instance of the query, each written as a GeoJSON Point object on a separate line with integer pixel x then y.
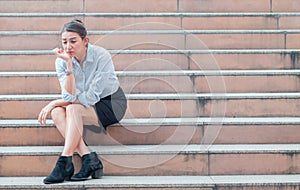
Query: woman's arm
{"type": "Point", "coordinates": [69, 85]}
{"type": "Point", "coordinates": [48, 108]}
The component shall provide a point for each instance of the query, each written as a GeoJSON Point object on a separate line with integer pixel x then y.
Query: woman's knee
{"type": "Point", "coordinates": [74, 110]}
{"type": "Point", "coordinates": [58, 113]}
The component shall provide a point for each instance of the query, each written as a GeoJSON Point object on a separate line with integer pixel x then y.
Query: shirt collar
{"type": "Point", "coordinates": [89, 55]}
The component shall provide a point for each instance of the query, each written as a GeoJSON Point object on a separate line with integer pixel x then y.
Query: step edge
{"type": "Point", "coordinates": [158, 181]}
{"type": "Point", "coordinates": [187, 52]}
{"type": "Point", "coordinates": [154, 14]}
{"type": "Point", "coordinates": [271, 72]}
{"type": "Point", "coordinates": [194, 121]}
{"type": "Point", "coordinates": [166, 96]}
{"type": "Point", "coordinates": [156, 31]}
{"type": "Point", "coordinates": [160, 149]}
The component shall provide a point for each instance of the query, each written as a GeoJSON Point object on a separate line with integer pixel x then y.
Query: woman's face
{"type": "Point", "coordinates": [73, 45]}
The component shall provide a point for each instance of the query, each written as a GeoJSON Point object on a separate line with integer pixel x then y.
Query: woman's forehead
{"type": "Point", "coordinates": [69, 35]}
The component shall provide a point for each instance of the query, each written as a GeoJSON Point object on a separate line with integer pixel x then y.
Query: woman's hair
{"type": "Point", "coordinates": [77, 26]}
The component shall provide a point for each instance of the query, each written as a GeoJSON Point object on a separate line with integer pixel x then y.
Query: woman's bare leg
{"type": "Point", "coordinates": [76, 116]}
{"type": "Point", "coordinates": [58, 115]}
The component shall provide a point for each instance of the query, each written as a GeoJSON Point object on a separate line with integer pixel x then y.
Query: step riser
{"type": "Point", "coordinates": [285, 6]}
{"type": "Point", "coordinates": [174, 108]}
{"type": "Point", "coordinates": [116, 135]}
{"type": "Point", "coordinates": [19, 85]}
{"type": "Point", "coordinates": [239, 6]}
{"type": "Point", "coordinates": [247, 84]}
{"type": "Point", "coordinates": [224, 6]}
{"type": "Point", "coordinates": [180, 164]}
{"type": "Point", "coordinates": [113, 165]}
{"type": "Point", "coordinates": [128, 135]}
{"type": "Point", "coordinates": [163, 22]}
{"type": "Point", "coordinates": [146, 6]}
{"type": "Point", "coordinates": [292, 42]}
{"type": "Point", "coordinates": [243, 61]}
{"type": "Point", "coordinates": [257, 134]}
{"type": "Point", "coordinates": [129, 62]}
{"type": "Point", "coordinates": [254, 164]}
{"type": "Point", "coordinates": [29, 85]}
{"type": "Point", "coordinates": [136, 109]}
{"type": "Point", "coordinates": [89, 6]}
{"type": "Point", "coordinates": [107, 23]}
{"type": "Point", "coordinates": [164, 84]}
{"type": "Point", "coordinates": [239, 23]}
{"type": "Point", "coordinates": [122, 62]}
{"type": "Point", "coordinates": [237, 41]}
{"type": "Point", "coordinates": [20, 6]}
{"type": "Point", "coordinates": [27, 62]}
{"type": "Point", "coordinates": [160, 41]}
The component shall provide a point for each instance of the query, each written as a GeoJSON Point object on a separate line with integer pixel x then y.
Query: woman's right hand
{"type": "Point", "coordinates": [44, 113]}
{"type": "Point", "coordinates": [62, 54]}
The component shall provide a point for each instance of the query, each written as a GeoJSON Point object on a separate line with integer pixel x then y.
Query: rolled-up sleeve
{"type": "Point", "coordinates": [60, 66]}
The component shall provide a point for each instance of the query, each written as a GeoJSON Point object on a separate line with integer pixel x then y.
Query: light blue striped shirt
{"type": "Point", "coordinates": [95, 80]}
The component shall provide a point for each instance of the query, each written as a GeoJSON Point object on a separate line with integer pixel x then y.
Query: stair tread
{"type": "Point", "coordinates": [169, 73]}
{"type": "Point", "coordinates": [158, 149]}
{"type": "Point", "coordinates": [164, 96]}
{"type": "Point", "coordinates": [189, 51]}
{"type": "Point", "coordinates": [152, 14]}
{"type": "Point", "coordinates": [157, 31]}
{"type": "Point", "coordinates": [157, 181]}
{"type": "Point", "coordinates": [174, 121]}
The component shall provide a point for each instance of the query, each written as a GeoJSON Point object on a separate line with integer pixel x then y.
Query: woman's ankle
{"type": "Point", "coordinates": [66, 154]}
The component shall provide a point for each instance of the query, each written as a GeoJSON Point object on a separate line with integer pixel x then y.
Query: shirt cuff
{"type": "Point", "coordinates": [82, 99]}
{"type": "Point", "coordinates": [67, 96]}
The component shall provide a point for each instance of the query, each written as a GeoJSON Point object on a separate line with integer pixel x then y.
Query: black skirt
{"type": "Point", "coordinates": [111, 109]}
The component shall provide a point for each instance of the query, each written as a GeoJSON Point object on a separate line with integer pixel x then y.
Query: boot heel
{"type": "Point", "coordinates": [98, 174]}
{"type": "Point", "coordinates": [70, 173]}
{"type": "Point", "coordinates": [68, 178]}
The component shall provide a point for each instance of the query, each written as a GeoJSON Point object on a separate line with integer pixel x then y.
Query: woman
{"type": "Point", "coordinates": [91, 95]}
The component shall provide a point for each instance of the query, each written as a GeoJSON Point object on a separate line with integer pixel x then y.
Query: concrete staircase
{"type": "Point", "coordinates": [213, 89]}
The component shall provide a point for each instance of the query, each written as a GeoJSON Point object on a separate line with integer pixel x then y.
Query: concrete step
{"type": "Point", "coordinates": [160, 39]}
{"type": "Point", "coordinates": [239, 6]}
{"type": "Point", "coordinates": [134, 21]}
{"type": "Point", "coordinates": [178, 81]}
{"type": "Point", "coordinates": [199, 182]}
{"type": "Point", "coordinates": [87, 6]}
{"type": "Point", "coordinates": [145, 6]}
{"type": "Point", "coordinates": [227, 130]}
{"type": "Point", "coordinates": [20, 6]}
{"type": "Point", "coordinates": [239, 159]}
{"type": "Point", "coordinates": [129, 60]}
{"type": "Point", "coordinates": [174, 105]}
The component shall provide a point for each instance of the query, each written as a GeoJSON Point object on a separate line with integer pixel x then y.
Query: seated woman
{"type": "Point", "coordinates": [91, 95]}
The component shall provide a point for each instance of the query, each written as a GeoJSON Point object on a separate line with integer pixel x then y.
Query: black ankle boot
{"type": "Point", "coordinates": [91, 166]}
{"type": "Point", "coordinates": [63, 170]}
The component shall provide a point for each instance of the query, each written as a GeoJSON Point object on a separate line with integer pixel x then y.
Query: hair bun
{"type": "Point", "coordinates": [78, 20]}
{"type": "Point", "coordinates": [76, 25]}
